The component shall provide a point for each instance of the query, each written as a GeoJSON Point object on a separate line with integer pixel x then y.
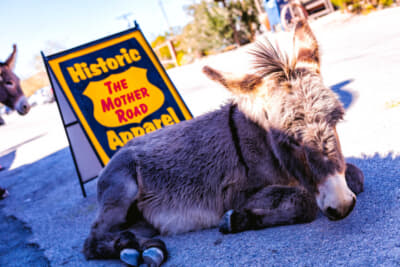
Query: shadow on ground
{"type": "Point", "coordinates": [345, 95]}
{"type": "Point", "coordinates": [7, 160]}
{"type": "Point", "coordinates": [45, 197]}
{"type": "Point", "coordinates": [7, 156]}
{"type": "Point", "coordinates": [15, 247]}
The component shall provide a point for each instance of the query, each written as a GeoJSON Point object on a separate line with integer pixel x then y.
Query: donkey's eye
{"type": "Point", "coordinates": [9, 83]}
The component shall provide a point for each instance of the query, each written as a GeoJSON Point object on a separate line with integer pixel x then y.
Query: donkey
{"type": "Point", "coordinates": [269, 157]}
{"type": "Point", "coordinates": [11, 93]}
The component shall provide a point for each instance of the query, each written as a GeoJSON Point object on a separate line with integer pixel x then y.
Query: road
{"type": "Point", "coordinates": [45, 220]}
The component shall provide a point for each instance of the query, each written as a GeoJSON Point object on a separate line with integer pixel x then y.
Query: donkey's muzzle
{"type": "Point", "coordinates": [22, 106]}
{"type": "Point", "coordinates": [336, 214]}
{"type": "Point", "coordinates": [334, 197]}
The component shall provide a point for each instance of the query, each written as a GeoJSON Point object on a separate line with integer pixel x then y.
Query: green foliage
{"type": "Point", "coordinates": [246, 16]}
{"type": "Point", "coordinates": [385, 3]}
{"type": "Point", "coordinates": [163, 52]}
{"type": "Point", "coordinates": [338, 3]}
{"type": "Point", "coordinates": [361, 6]}
{"type": "Point", "coordinates": [215, 26]}
{"type": "Point", "coordinates": [209, 29]}
{"type": "Point", "coordinates": [219, 24]}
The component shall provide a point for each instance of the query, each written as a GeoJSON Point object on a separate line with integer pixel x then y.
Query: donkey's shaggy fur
{"type": "Point", "coordinates": [11, 93]}
{"type": "Point", "coordinates": [270, 157]}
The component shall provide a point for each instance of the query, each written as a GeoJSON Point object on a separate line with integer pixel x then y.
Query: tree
{"type": "Point", "coordinates": [218, 24]}
{"type": "Point", "coordinates": [209, 29]}
{"type": "Point", "coordinates": [247, 19]}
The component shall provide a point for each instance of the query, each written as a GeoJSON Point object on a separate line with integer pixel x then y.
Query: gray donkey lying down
{"type": "Point", "coordinates": [269, 157]}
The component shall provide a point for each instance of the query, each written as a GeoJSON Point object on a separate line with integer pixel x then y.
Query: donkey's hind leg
{"type": "Point", "coordinates": [152, 250]}
{"type": "Point", "coordinates": [111, 236]}
{"type": "Point", "coordinates": [272, 205]}
{"type": "Point", "coordinates": [354, 178]}
{"type": "Point", "coordinates": [117, 191]}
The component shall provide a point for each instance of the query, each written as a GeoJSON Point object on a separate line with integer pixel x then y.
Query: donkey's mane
{"type": "Point", "coordinates": [270, 60]}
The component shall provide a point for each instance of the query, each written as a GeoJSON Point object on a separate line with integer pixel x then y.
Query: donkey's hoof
{"type": "Point", "coordinates": [130, 256]}
{"type": "Point", "coordinates": [153, 257]}
{"type": "Point", "coordinates": [225, 226]}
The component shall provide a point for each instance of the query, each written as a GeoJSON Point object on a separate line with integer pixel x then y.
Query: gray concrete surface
{"type": "Point", "coordinates": [45, 219]}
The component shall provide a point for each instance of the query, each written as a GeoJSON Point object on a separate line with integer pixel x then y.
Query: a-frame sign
{"type": "Point", "coordinates": [110, 91]}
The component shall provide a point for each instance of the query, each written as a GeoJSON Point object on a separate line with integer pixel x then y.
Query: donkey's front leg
{"type": "Point", "coordinates": [272, 205]}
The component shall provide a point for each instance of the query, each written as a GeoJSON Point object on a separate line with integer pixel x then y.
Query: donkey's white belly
{"type": "Point", "coordinates": [174, 221]}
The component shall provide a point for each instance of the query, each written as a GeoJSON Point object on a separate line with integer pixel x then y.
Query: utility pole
{"type": "Point", "coordinates": [165, 15]}
{"type": "Point", "coordinates": [170, 38]}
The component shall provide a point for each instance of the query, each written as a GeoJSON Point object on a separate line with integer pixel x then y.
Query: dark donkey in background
{"type": "Point", "coordinates": [11, 93]}
{"type": "Point", "coordinates": [270, 157]}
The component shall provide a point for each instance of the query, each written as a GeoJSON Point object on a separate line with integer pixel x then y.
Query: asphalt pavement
{"type": "Point", "coordinates": [45, 219]}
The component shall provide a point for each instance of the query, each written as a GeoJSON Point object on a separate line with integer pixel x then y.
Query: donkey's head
{"type": "Point", "coordinates": [11, 93]}
{"type": "Point", "coordinates": [287, 97]}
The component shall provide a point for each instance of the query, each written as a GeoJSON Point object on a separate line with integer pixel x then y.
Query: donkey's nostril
{"type": "Point", "coordinates": [26, 107]}
{"type": "Point", "coordinates": [23, 108]}
{"type": "Point", "coordinates": [333, 214]}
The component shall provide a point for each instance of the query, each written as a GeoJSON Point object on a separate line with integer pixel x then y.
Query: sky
{"type": "Point", "coordinates": [37, 25]}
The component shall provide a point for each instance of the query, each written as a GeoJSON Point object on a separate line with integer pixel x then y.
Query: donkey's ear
{"type": "Point", "coordinates": [305, 48]}
{"type": "Point", "coordinates": [10, 62]}
{"type": "Point", "coordinates": [235, 84]}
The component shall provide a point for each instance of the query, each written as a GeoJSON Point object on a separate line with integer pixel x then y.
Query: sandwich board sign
{"type": "Point", "coordinates": [110, 91]}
